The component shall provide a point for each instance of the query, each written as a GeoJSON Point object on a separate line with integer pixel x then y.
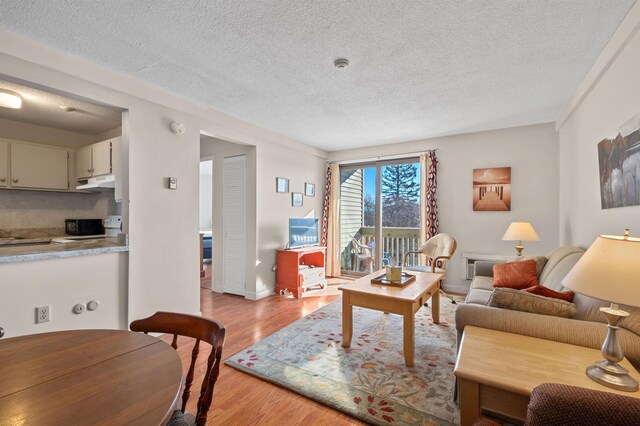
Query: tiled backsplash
{"type": "Point", "coordinates": [40, 209]}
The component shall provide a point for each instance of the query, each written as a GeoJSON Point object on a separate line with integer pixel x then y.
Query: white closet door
{"type": "Point", "coordinates": [233, 248]}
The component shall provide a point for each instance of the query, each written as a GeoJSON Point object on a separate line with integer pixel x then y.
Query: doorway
{"type": "Point", "coordinates": [233, 222]}
{"type": "Point", "coordinates": [206, 222]}
{"type": "Point", "coordinates": [379, 214]}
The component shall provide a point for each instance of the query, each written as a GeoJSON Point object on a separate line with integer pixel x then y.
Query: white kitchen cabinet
{"type": "Point", "coordinates": [83, 163]}
{"type": "Point", "coordinates": [101, 158]}
{"type": "Point", "coordinates": [95, 160]}
{"type": "Point", "coordinates": [38, 167]}
{"type": "Point", "coordinates": [4, 163]}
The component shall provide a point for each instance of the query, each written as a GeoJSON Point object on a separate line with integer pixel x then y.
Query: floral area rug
{"type": "Point", "coordinates": [369, 380]}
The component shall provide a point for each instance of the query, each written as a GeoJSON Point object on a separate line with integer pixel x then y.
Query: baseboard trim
{"type": "Point", "coordinates": [252, 295]}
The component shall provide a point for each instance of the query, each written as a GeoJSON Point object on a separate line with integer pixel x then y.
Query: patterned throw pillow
{"type": "Point", "coordinates": [516, 300]}
{"type": "Point", "coordinates": [516, 275]}
{"type": "Point", "coordinates": [541, 290]}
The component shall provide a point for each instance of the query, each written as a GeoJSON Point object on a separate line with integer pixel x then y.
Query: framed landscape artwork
{"type": "Point", "coordinates": [492, 189]}
{"type": "Point", "coordinates": [619, 164]}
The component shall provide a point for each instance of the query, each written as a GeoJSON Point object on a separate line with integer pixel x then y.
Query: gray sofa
{"type": "Point", "coordinates": [587, 328]}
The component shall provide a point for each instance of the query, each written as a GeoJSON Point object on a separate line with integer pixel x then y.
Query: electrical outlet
{"type": "Point", "coordinates": [43, 314]}
{"type": "Point", "coordinates": [79, 308]}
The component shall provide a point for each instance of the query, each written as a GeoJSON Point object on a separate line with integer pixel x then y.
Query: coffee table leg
{"type": "Point", "coordinates": [469, 402]}
{"type": "Point", "coordinates": [347, 320]}
{"type": "Point", "coordinates": [408, 328]}
{"type": "Point", "coordinates": [435, 305]}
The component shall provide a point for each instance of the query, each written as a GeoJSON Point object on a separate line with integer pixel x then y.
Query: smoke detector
{"type": "Point", "coordinates": [341, 63]}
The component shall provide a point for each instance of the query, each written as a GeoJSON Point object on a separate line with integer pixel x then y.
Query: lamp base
{"type": "Point", "coordinates": [519, 248]}
{"type": "Point", "coordinates": [612, 375]}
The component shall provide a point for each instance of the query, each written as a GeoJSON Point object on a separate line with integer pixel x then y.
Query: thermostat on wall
{"type": "Point", "coordinates": [173, 183]}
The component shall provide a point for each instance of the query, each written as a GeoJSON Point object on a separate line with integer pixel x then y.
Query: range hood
{"type": "Point", "coordinates": [100, 183]}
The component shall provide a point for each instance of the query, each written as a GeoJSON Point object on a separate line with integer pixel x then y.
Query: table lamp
{"type": "Point", "coordinates": [520, 231]}
{"type": "Point", "coordinates": [610, 270]}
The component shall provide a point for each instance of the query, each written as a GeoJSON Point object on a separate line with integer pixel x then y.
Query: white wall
{"type": "Point", "coordinates": [275, 209]}
{"type": "Point", "coordinates": [163, 224]}
{"type": "Point", "coordinates": [606, 99]}
{"type": "Point", "coordinates": [532, 154]}
{"type": "Point", "coordinates": [62, 283]}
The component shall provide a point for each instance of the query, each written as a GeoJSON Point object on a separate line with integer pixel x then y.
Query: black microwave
{"type": "Point", "coordinates": [83, 227]}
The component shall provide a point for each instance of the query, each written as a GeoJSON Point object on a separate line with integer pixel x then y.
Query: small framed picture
{"type": "Point", "coordinates": [310, 189]}
{"type": "Point", "coordinates": [282, 184]}
{"type": "Point", "coordinates": [296, 199]}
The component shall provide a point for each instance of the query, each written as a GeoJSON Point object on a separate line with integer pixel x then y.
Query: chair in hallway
{"type": "Point", "coordinates": [200, 329]}
{"type": "Point", "coordinates": [438, 249]}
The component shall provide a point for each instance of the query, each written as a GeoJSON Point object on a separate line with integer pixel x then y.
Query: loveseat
{"type": "Point", "coordinates": [588, 327]}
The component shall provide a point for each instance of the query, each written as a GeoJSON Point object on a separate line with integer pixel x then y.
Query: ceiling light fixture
{"type": "Point", "coordinates": [341, 63]}
{"type": "Point", "coordinates": [10, 99]}
{"type": "Point", "coordinates": [66, 108]}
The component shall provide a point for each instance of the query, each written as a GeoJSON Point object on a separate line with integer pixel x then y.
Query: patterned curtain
{"type": "Point", "coordinates": [431, 202]}
{"type": "Point", "coordinates": [325, 210]}
{"type": "Point", "coordinates": [330, 221]}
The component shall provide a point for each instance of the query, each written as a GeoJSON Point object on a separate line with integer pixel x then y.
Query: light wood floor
{"type": "Point", "coordinates": [241, 399]}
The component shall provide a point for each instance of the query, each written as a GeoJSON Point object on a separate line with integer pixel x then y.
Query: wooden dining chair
{"type": "Point", "coordinates": [201, 329]}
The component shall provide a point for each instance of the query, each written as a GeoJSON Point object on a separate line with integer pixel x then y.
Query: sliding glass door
{"type": "Point", "coordinates": [379, 214]}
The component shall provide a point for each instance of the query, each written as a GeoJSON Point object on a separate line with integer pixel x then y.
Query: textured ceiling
{"type": "Point", "coordinates": [43, 109]}
{"type": "Point", "coordinates": [419, 68]}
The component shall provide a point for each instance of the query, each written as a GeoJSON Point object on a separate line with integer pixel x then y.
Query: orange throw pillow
{"type": "Point", "coordinates": [516, 275]}
{"type": "Point", "coordinates": [541, 290]}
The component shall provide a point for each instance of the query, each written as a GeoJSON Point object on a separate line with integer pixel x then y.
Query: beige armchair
{"type": "Point", "coordinates": [438, 249]}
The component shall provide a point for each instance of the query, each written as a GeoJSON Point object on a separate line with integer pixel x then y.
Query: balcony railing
{"type": "Point", "coordinates": [396, 242]}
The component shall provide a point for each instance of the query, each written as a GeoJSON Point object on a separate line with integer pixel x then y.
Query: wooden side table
{"type": "Point", "coordinates": [300, 268]}
{"type": "Point", "coordinates": [497, 371]}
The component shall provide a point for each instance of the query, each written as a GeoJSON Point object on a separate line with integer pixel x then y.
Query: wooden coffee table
{"type": "Point", "coordinates": [498, 371]}
{"type": "Point", "coordinates": [404, 301]}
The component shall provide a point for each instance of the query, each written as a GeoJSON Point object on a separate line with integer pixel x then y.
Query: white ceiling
{"type": "Point", "coordinates": [42, 108]}
{"type": "Point", "coordinates": [419, 68]}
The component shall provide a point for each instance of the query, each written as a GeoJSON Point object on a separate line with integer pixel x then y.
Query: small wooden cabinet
{"type": "Point", "coordinates": [298, 269]}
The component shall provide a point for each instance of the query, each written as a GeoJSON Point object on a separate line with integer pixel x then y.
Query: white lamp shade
{"type": "Point", "coordinates": [609, 270]}
{"type": "Point", "coordinates": [520, 231]}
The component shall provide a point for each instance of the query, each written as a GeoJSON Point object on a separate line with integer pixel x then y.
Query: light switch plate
{"type": "Point", "coordinates": [173, 183]}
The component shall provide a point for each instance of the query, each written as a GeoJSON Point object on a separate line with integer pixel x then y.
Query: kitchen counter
{"type": "Point", "coordinates": [42, 248]}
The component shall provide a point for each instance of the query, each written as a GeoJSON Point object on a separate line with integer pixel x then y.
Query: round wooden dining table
{"type": "Point", "coordinates": [88, 377]}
